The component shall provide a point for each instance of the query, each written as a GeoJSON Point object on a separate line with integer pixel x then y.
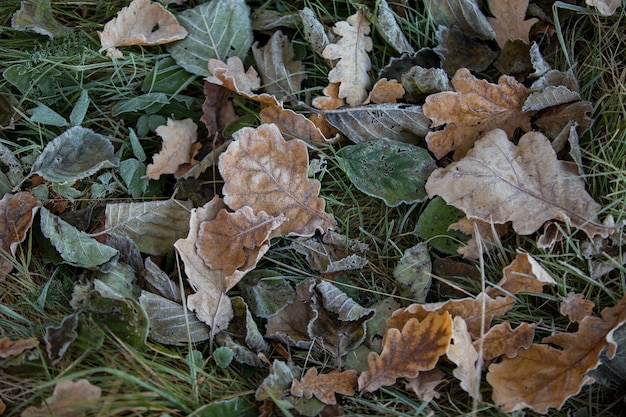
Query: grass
{"type": "Point", "coordinates": [160, 380]}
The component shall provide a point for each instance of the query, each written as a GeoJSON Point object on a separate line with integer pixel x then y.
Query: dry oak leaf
{"type": "Point", "coordinates": [228, 241]}
{"type": "Point", "coordinates": [264, 171]}
{"type": "Point", "coordinates": [180, 146]}
{"type": "Point", "coordinates": [544, 377]}
{"type": "Point", "coordinates": [232, 75]}
{"type": "Point", "coordinates": [330, 100]}
{"type": "Point", "coordinates": [351, 71]}
{"type": "Point", "coordinates": [406, 352]}
{"type": "Point", "coordinates": [10, 347]}
{"type": "Point", "coordinates": [140, 23]}
{"type": "Point", "coordinates": [488, 234]}
{"type": "Point", "coordinates": [509, 23]}
{"type": "Point", "coordinates": [524, 274]}
{"type": "Point", "coordinates": [385, 91]}
{"type": "Point", "coordinates": [69, 399]}
{"type": "Point", "coordinates": [576, 307]}
{"type": "Point", "coordinates": [465, 356]}
{"type": "Point", "coordinates": [292, 124]}
{"type": "Point", "coordinates": [474, 108]}
{"type": "Point", "coordinates": [16, 218]}
{"type": "Point", "coordinates": [501, 339]}
{"type": "Point", "coordinates": [324, 386]}
{"type": "Point", "coordinates": [425, 383]}
{"type": "Point", "coordinates": [217, 110]}
{"type": "Point", "coordinates": [499, 182]}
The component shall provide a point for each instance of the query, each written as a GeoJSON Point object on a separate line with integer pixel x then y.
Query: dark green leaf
{"type": "Point", "coordinates": [433, 224]}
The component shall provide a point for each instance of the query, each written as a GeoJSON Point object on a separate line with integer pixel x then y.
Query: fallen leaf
{"type": "Point", "coordinates": [292, 124]}
{"type": "Point", "coordinates": [555, 119]}
{"type": "Point", "coordinates": [508, 21]}
{"type": "Point", "coordinates": [413, 273]}
{"type": "Point", "coordinates": [69, 399]}
{"type": "Point", "coordinates": [385, 91]}
{"type": "Point", "coordinates": [10, 347]}
{"type": "Point", "coordinates": [605, 7]}
{"type": "Point", "coordinates": [264, 171]}
{"type": "Point", "coordinates": [525, 184]}
{"type": "Point", "coordinates": [330, 100]}
{"type": "Point", "coordinates": [501, 339]}
{"type": "Point", "coordinates": [463, 353]}
{"type": "Point", "coordinates": [18, 211]}
{"type": "Point", "coordinates": [457, 50]}
{"type": "Point", "coordinates": [484, 233]}
{"type": "Point", "coordinates": [233, 76]}
{"type": "Point", "coordinates": [180, 146]}
{"type": "Point", "coordinates": [475, 108]}
{"type": "Point", "coordinates": [406, 352]}
{"type": "Point", "coordinates": [576, 307]}
{"type": "Point", "coordinates": [36, 15]}
{"type": "Point", "coordinates": [465, 14]}
{"type": "Point", "coordinates": [161, 281]}
{"type": "Point", "coordinates": [351, 71]}
{"type": "Point", "coordinates": [324, 386]}
{"type": "Point", "coordinates": [217, 110]}
{"type": "Point", "coordinates": [313, 30]}
{"type": "Point", "coordinates": [544, 377]}
{"type": "Point", "coordinates": [420, 82]}
{"type": "Point", "coordinates": [58, 339]}
{"type": "Point", "coordinates": [140, 23]}
{"type": "Point", "coordinates": [264, 293]}
{"type": "Point", "coordinates": [425, 383]}
{"type": "Point", "coordinates": [330, 255]}
{"type": "Point", "coordinates": [389, 29]}
{"type": "Point", "coordinates": [524, 274]}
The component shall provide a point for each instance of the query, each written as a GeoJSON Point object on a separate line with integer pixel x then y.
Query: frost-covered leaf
{"type": "Point", "coordinates": [465, 14]}
{"type": "Point", "coordinates": [463, 353]}
{"type": "Point", "coordinates": [385, 91]}
{"type": "Point", "coordinates": [9, 348]}
{"type": "Point", "coordinates": [605, 7]}
{"type": "Point", "coordinates": [324, 386]}
{"type": "Point", "coordinates": [36, 15]}
{"type": "Point", "coordinates": [576, 307]}
{"type": "Point", "coordinates": [501, 339]}
{"type": "Point", "coordinates": [75, 154]}
{"type": "Point", "coordinates": [548, 97]}
{"type": "Point", "coordinates": [330, 100]}
{"type": "Point", "coordinates": [509, 20]}
{"type": "Point", "coordinates": [265, 292]}
{"type": "Point", "coordinates": [46, 116]}
{"type": "Point", "coordinates": [433, 226]}
{"type": "Point", "coordinates": [392, 171]}
{"type": "Point", "coordinates": [292, 124]}
{"type": "Point", "coordinates": [17, 212]}
{"type": "Point", "coordinates": [232, 75]}
{"type": "Point", "coordinates": [390, 30]}
{"type": "Point", "coordinates": [180, 146]}
{"type": "Point", "coordinates": [329, 255]}
{"type": "Point", "coordinates": [524, 274]}
{"type": "Point", "coordinates": [314, 30]}
{"type": "Point", "coordinates": [419, 82]}
{"type": "Point", "coordinates": [161, 281]}
{"type": "Point", "coordinates": [217, 29]}
{"type": "Point", "coordinates": [58, 339]}
{"type": "Point", "coordinates": [457, 50]}
{"type": "Point", "coordinates": [413, 273]}
{"type": "Point", "coordinates": [69, 399]}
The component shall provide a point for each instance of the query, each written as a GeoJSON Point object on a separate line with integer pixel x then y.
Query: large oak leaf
{"type": "Point", "coordinates": [324, 386]}
{"type": "Point", "coordinates": [264, 171]}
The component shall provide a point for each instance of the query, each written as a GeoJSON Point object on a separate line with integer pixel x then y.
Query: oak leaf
{"type": "Point", "coordinates": [576, 307]}
{"type": "Point", "coordinates": [543, 376]}
{"type": "Point", "coordinates": [264, 171]}
{"type": "Point", "coordinates": [509, 23]}
{"type": "Point", "coordinates": [71, 399]}
{"type": "Point", "coordinates": [385, 91]}
{"type": "Point", "coordinates": [501, 339]}
{"type": "Point", "coordinates": [354, 62]}
{"type": "Point", "coordinates": [231, 239]}
{"type": "Point", "coordinates": [18, 211]}
{"type": "Point", "coordinates": [292, 124]}
{"type": "Point", "coordinates": [524, 274]}
{"type": "Point", "coordinates": [463, 353]}
{"type": "Point", "coordinates": [406, 352]}
{"type": "Point", "coordinates": [482, 232]}
{"type": "Point", "coordinates": [324, 386]}
{"type": "Point", "coordinates": [330, 100]}
{"type": "Point", "coordinates": [475, 108]}
{"type": "Point", "coordinates": [10, 347]}
{"type": "Point", "coordinates": [180, 146]}
{"type": "Point", "coordinates": [232, 75]}
{"type": "Point", "coordinates": [425, 383]}
{"type": "Point", "coordinates": [140, 23]}
{"type": "Point", "coordinates": [525, 184]}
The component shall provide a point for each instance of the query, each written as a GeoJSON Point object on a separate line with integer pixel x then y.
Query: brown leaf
{"type": "Point", "coordinates": [292, 124]}
{"type": "Point", "coordinates": [69, 399]}
{"type": "Point", "coordinates": [415, 348]}
{"type": "Point", "coordinates": [463, 353]}
{"type": "Point", "coordinates": [501, 339]}
{"type": "Point", "coordinates": [525, 184]}
{"type": "Point", "coordinates": [354, 62]}
{"type": "Point", "coordinates": [385, 91]}
{"type": "Point", "coordinates": [10, 347]}
{"type": "Point", "coordinates": [576, 307]}
{"type": "Point", "coordinates": [524, 274]}
{"type": "Point", "coordinates": [555, 119]}
{"type": "Point", "coordinates": [18, 211]}
{"type": "Point", "coordinates": [140, 23]}
{"type": "Point", "coordinates": [543, 376]}
{"type": "Point", "coordinates": [180, 146]}
{"type": "Point", "coordinates": [475, 108]}
{"type": "Point", "coordinates": [231, 239]}
{"type": "Point", "coordinates": [324, 386]}
{"type": "Point", "coordinates": [217, 109]}
{"type": "Point", "coordinates": [264, 171]}
{"type": "Point", "coordinates": [486, 233]}
{"type": "Point", "coordinates": [509, 23]}
{"type": "Point", "coordinates": [233, 76]}
{"type": "Point", "coordinates": [425, 383]}
{"type": "Point", "coordinates": [330, 100]}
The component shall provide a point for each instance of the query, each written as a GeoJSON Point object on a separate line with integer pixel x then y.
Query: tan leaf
{"type": "Point", "coordinates": [354, 62]}
{"type": "Point", "coordinates": [140, 23]}
{"type": "Point", "coordinates": [264, 171]}
{"type": "Point", "coordinates": [18, 211]}
{"type": "Point", "coordinates": [509, 23]}
{"type": "Point", "coordinates": [475, 108]}
{"type": "Point", "coordinates": [525, 184]}
{"type": "Point", "coordinates": [69, 399]}
{"type": "Point", "coordinates": [330, 100]}
{"type": "Point", "coordinates": [576, 307]}
{"type": "Point", "coordinates": [180, 146]}
{"type": "Point", "coordinates": [544, 377]}
{"type": "Point", "coordinates": [501, 339]}
{"type": "Point", "coordinates": [605, 7]}
{"type": "Point", "coordinates": [324, 386]}
{"type": "Point", "coordinates": [231, 239]}
{"type": "Point", "coordinates": [481, 231]}
{"type": "Point", "coordinates": [385, 91]}
{"type": "Point", "coordinates": [524, 274]}
{"type": "Point", "coordinates": [10, 347]}
{"type": "Point", "coordinates": [407, 352]}
{"type": "Point", "coordinates": [463, 353]}
{"type": "Point", "coordinates": [292, 124]}
{"type": "Point", "coordinates": [425, 383]}
{"type": "Point", "coordinates": [233, 76]}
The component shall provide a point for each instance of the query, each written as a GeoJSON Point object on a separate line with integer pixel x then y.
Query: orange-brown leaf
{"type": "Point", "coordinates": [10, 347]}
{"type": "Point", "coordinates": [509, 23]}
{"type": "Point", "coordinates": [385, 91]}
{"type": "Point", "coordinates": [330, 100]}
{"type": "Point", "coordinates": [576, 307]}
{"type": "Point", "coordinates": [407, 352]}
{"type": "Point", "coordinates": [324, 386]}
{"type": "Point", "coordinates": [501, 339]}
{"type": "Point", "coordinates": [180, 146]}
{"type": "Point", "coordinates": [17, 212]}
{"type": "Point", "coordinates": [475, 108]}
{"type": "Point", "coordinates": [264, 171]}
{"type": "Point", "coordinates": [524, 274]}
{"type": "Point", "coordinates": [68, 399]}
{"type": "Point", "coordinates": [292, 124]}
{"type": "Point", "coordinates": [232, 75]}
{"type": "Point", "coordinates": [425, 383]}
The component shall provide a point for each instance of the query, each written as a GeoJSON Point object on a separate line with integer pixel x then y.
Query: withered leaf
{"type": "Point", "coordinates": [501, 339]}
{"type": "Point", "coordinates": [70, 399]}
{"type": "Point", "coordinates": [314, 31]}
{"type": "Point", "coordinates": [140, 23]}
{"type": "Point", "coordinates": [330, 100]}
{"type": "Point", "coordinates": [525, 184]}
{"type": "Point", "coordinates": [524, 274]}
{"type": "Point", "coordinates": [232, 75]}
{"type": "Point", "coordinates": [354, 62]}
{"type": "Point", "coordinates": [465, 14]}
{"type": "Point", "coordinates": [605, 7]}
{"type": "Point", "coordinates": [264, 171]}
{"type": "Point", "coordinates": [10, 347]}
{"type": "Point", "coordinates": [555, 119]}
{"type": "Point", "coordinates": [58, 339]}
{"type": "Point", "coordinates": [17, 214]}
{"type": "Point", "coordinates": [476, 107]}
{"type": "Point", "coordinates": [457, 50]}
{"type": "Point", "coordinates": [425, 383]}
{"type": "Point", "coordinates": [576, 307]}
{"type": "Point", "coordinates": [463, 353]}
{"type": "Point", "coordinates": [482, 232]}
{"type": "Point", "coordinates": [324, 386]}
{"type": "Point", "coordinates": [292, 124]}
{"type": "Point", "coordinates": [217, 110]}
{"type": "Point", "coordinates": [180, 146]}
{"type": "Point", "coordinates": [407, 352]}
{"type": "Point", "coordinates": [385, 91]}
{"type": "Point", "coordinates": [509, 23]}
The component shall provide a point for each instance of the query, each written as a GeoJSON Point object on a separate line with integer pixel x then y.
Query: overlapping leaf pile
{"type": "Point", "coordinates": [504, 153]}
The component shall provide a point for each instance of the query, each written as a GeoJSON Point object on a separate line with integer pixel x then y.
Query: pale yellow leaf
{"type": "Point", "coordinates": [180, 146]}
{"type": "Point", "coordinates": [463, 353]}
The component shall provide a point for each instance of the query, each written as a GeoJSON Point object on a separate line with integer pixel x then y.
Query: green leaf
{"type": "Point", "coordinates": [392, 171]}
{"type": "Point", "coordinates": [136, 145]}
{"type": "Point", "coordinates": [433, 224]}
{"type": "Point", "coordinates": [232, 407]}
{"type": "Point", "coordinates": [151, 101]}
{"type": "Point", "coordinates": [217, 29]}
{"type": "Point", "coordinates": [265, 292]}
{"type": "Point", "coordinates": [412, 273]}
{"type": "Point", "coordinates": [80, 109]}
{"type": "Point", "coordinates": [46, 116]}
{"type": "Point", "coordinates": [123, 317]}
{"type": "Point", "coordinates": [75, 154]}
{"type": "Point", "coordinates": [36, 15]}
{"type": "Point", "coordinates": [223, 356]}
{"type": "Point", "coordinates": [166, 77]}
{"type": "Point", "coordinates": [76, 247]}
{"type": "Point", "coordinates": [118, 283]}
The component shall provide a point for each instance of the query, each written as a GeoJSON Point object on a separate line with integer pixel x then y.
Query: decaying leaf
{"type": "Point", "coordinates": [501, 339]}
{"type": "Point", "coordinates": [463, 353]}
{"type": "Point", "coordinates": [324, 386]}
{"type": "Point", "coordinates": [330, 255]}
{"type": "Point", "coordinates": [17, 212]}
{"type": "Point", "coordinates": [69, 399]}
{"type": "Point", "coordinates": [180, 146]}
{"type": "Point", "coordinates": [509, 23]}
{"type": "Point", "coordinates": [575, 307]}
{"type": "Point", "coordinates": [58, 339]}
{"type": "Point", "coordinates": [406, 352]}
{"type": "Point", "coordinates": [10, 347]}
{"type": "Point", "coordinates": [233, 76]}
{"type": "Point", "coordinates": [217, 110]}
{"type": "Point", "coordinates": [524, 274]}
{"type": "Point", "coordinates": [413, 273]}
{"type": "Point", "coordinates": [425, 383]}
{"type": "Point", "coordinates": [483, 233]}
{"type": "Point", "coordinates": [390, 30]}
{"type": "Point", "coordinates": [420, 82]}
{"type": "Point", "coordinates": [161, 281]}
{"type": "Point", "coordinates": [458, 50]}
{"type": "Point", "coordinates": [264, 171]}
{"type": "Point", "coordinates": [525, 184]}
{"type": "Point", "coordinates": [351, 71]}
{"type": "Point", "coordinates": [292, 124]}
{"type": "Point", "coordinates": [36, 15]}
{"type": "Point", "coordinates": [544, 377]}
{"type": "Point", "coordinates": [314, 30]}
{"type": "Point", "coordinates": [465, 14]}
{"type": "Point", "coordinates": [140, 23]}
{"type": "Point", "coordinates": [476, 107]}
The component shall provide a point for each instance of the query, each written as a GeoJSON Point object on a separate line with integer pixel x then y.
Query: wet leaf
{"type": "Point", "coordinates": [69, 399]}
{"type": "Point", "coordinates": [17, 215]}
{"type": "Point", "coordinates": [324, 386]}
{"type": "Point", "coordinates": [509, 20]}
{"type": "Point", "coordinates": [180, 146]}
{"type": "Point", "coordinates": [413, 273]}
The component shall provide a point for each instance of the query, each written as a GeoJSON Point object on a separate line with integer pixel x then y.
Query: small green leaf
{"type": "Point", "coordinates": [123, 317]}
{"type": "Point", "coordinates": [223, 356]}
{"type": "Point", "coordinates": [136, 145]}
{"type": "Point", "coordinates": [412, 273]}
{"type": "Point", "coordinates": [80, 109]}
{"type": "Point", "coordinates": [265, 292]}
{"type": "Point", "coordinates": [393, 171]}
{"type": "Point", "coordinates": [433, 224]}
{"type": "Point", "coordinates": [166, 77]}
{"type": "Point", "coordinates": [133, 173]}
{"type": "Point", "coordinates": [151, 102]}
{"type": "Point", "coordinates": [46, 116]}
